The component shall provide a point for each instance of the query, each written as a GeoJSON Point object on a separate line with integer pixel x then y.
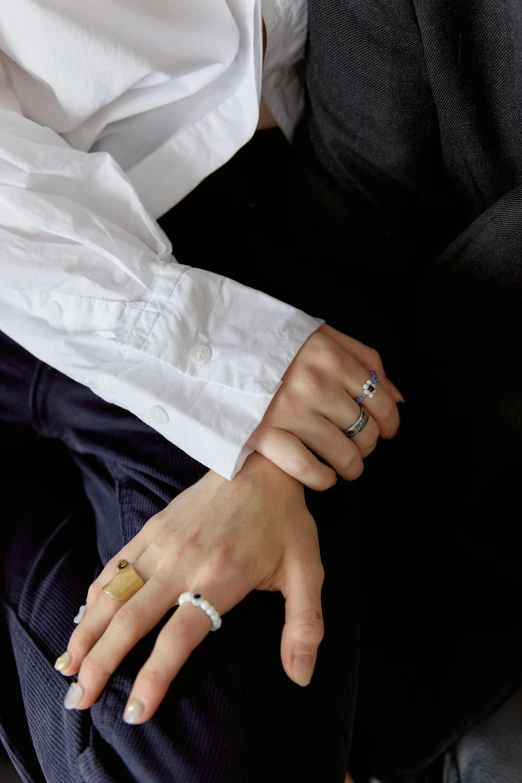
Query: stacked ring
{"type": "Point", "coordinates": [369, 389]}
{"type": "Point", "coordinates": [196, 599]}
{"type": "Point", "coordinates": [358, 425]}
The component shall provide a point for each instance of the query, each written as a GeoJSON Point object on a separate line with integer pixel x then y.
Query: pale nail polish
{"type": "Point", "coordinates": [80, 614]}
{"type": "Point", "coordinates": [63, 661]}
{"type": "Point", "coordinates": [133, 711]}
{"type": "Point", "coordinates": [74, 695]}
{"type": "Point", "coordinates": [303, 668]}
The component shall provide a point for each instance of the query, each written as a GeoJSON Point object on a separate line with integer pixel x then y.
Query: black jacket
{"type": "Point", "coordinates": [415, 113]}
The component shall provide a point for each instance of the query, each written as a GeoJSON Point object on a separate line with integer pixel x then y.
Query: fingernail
{"type": "Point", "coordinates": [133, 711]}
{"type": "Point", "coordinates": [303, 668]}
{"type": "Point", "coordinates": [80, 614]}
{"type": "Point", "coordinates": [74, 695]}
{"type": "Point", "coordinates": [63, 661]}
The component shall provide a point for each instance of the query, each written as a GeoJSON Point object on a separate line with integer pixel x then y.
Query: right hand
{"type": "Point", "coordinates": [317, 402]}
{"type": "Point", "coordinates": [221, 538]}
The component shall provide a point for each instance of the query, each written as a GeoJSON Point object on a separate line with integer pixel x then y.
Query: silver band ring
{"type": "Point", "coordinates": [196, 599]}
{"type": "Point", "coordinates": [357, 426]}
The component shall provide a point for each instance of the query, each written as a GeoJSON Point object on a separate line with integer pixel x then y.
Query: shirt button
{"type": "Point", "coordinates": [54, 312]}
{"type": "Point", "coordinates": [159, 414]}
{"type": "Point", "coordinates": [200, 354]}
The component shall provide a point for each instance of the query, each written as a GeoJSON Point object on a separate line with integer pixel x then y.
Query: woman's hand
{"type": "Point", "coordinates": [317, 402]}
{"type": "Point", "coordinates": [219, 538]}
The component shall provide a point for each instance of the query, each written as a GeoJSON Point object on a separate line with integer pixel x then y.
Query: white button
{"type": "Point", "coordinates": [200, 354]}
{"type": "Point", "coordinates": [159, 414]}
{"type": "Point", "coordinates": [54, 312]}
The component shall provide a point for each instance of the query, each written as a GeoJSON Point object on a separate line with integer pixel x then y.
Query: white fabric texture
{"type": "Point", "coordinates": [110, 113]}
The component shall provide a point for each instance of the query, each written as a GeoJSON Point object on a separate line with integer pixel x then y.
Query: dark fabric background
{"type": "Point", "coordinates": [415, 112]}
{"type": "Point", "coordinates": [405, 207]}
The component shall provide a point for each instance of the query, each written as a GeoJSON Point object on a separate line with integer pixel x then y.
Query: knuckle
{"type": "Point", "coordinates": [301, 467]}
{"type": "Point", "coordinates": [388, 408]}
{"type": "Point", "coordinates": [372, 431]}
{"type": "Point", "coordinates": [291, 398]}
{"type": "Point", "coordinates": [151, 676]}
{"type": "Point", "coordinates": [221, 560]}
{"type": "Point", "coordinates": [368, 448]}
{"type": "Point", "coordinates": [78, 644]}
{"type": "Point", "coordinates": [348, 462]}
{"type": "Point", "coordinates": [370, 440]}
{"type": "Point", "coordinates": [311, 378]}
{"type": "Point", "coordinates": [309, 628]}
{"type": "Point", "coordinates": [93, 593]}
{"type": "Point", "coordinates": [375, 358]}
{"type": "Point", "coordinates": [191, 543]}
{"type": "Point", "coordinates": [91, 667]}
{"type": "Point", "coordinates": [326, 482]}
{"type": "Point", "coordinates": [126, 623]}
{"type": "Point", "coordinates": [357, 470]}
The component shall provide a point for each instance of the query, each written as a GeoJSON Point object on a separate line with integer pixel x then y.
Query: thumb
{"type": "Point", "coordinates": [304, 628]}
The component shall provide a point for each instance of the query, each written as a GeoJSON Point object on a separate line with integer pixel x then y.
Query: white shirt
{"type": "Point", "coordinates": [111, 111]}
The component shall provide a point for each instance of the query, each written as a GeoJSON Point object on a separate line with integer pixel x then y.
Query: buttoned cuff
{"type": "Point", "coordinates": [203, 361]}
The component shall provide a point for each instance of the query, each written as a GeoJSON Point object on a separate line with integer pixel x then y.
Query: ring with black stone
{"type": "Point", "coordinates": [369, 388]}
{"type": "Point", "coordinates": [196, 599]}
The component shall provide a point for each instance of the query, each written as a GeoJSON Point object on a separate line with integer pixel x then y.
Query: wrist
{"type": "Point", "coordinates": [259, 469]}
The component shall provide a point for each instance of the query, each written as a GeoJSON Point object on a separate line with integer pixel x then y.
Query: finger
{"type": "Point", "coordinates": [291, 455]}
{"type": "Point", "coordinates": [100, 610]}
{"type": "Point", "coordinates": [369, 357]}
{"type": "Point", "coordinates": [304, 627]}
{"type": "Point", "coordinates": [131, 551]}
{"type": "Point", "coordinates": [327, 441]}
{"type": "Point", "coordinates": [342, 415]}
{"type": "Point", "coordinates": [381, 406]}
{"type": "Point", "coordinates": [130, 623]}
{"type": "Point", "coordinates": [176, 641]}
{"type": "Point", "coordinates": [393, 390]}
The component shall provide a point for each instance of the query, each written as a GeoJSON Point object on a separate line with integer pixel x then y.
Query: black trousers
{"type": "Point", "coordinates": [80, 479]}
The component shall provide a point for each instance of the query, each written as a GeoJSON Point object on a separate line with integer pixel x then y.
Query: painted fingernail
{"type": "Point", "coordinates": [80, 614]}
{"type": "Point", "coordinates": [303, 668]}
{"type": "Point", "coordinates": [63, 661]}
{"type": "Point", "coordinates": [133, 711]}
{"type": "Point", "coordinates": [74, 695]}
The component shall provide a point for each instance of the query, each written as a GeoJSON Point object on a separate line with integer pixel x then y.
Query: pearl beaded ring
{"type": "Point", "coordinates": [196, 599]}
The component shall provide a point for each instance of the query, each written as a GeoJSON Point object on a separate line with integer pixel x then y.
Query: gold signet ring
{"type": "Point", "coordinates": [125, 584]}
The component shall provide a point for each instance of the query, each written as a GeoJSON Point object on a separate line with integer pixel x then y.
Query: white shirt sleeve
{"type": "Point", "coordinates": [88, 284]}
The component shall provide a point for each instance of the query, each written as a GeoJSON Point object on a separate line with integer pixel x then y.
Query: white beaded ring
{"type": "Point", "coordinates": [196, 599]}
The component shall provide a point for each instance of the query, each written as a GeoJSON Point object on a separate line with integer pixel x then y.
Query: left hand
{"type": "Point", "coordinates": [219, 538]}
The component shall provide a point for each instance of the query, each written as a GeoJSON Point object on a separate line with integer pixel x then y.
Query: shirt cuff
{"type": "Point", "coordinates": [203, 361]}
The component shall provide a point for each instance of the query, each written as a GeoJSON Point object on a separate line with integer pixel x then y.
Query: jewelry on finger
{"type": "Point", "coordinates": [125, 584]}
{"type": "Point", "coordinates": [369, 388]}
{"type": "Point", "coordinates": [196, 599]}
{"type": "Point", "coordinates": [80, 614]}
{"type": "Point", "coordinates": [358, 425]}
